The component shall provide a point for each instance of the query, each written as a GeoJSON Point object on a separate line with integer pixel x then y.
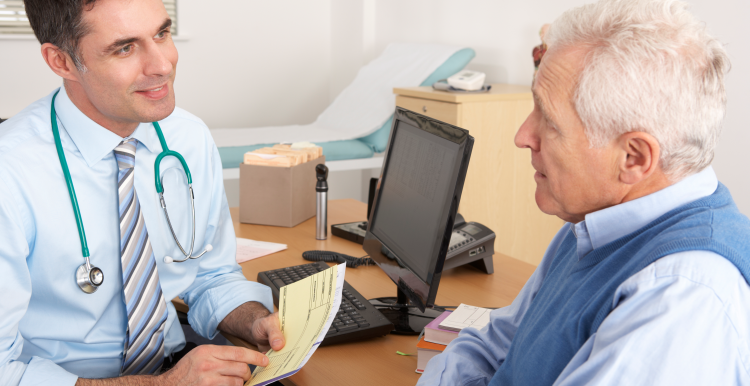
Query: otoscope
{"type": "Point", "coordinates": [321, 214]}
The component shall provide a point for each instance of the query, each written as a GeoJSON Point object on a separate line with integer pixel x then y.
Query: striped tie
{"type": "Point", "coordinates": [147, 311]}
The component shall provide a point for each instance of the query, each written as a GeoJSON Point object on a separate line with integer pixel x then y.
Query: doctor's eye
{"type": "Point", "coordinates": [162, 34]}
{"type": "Point", "coordinates": [125, 50]}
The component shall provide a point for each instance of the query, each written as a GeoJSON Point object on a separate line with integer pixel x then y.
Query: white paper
{"type": "Point", "coordinates": [251, 249]}
{"type": "Point", "coordinates": [466, 316]}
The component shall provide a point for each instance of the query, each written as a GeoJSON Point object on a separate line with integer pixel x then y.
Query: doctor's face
{"type": "Point", "coordinates": [130, 63]}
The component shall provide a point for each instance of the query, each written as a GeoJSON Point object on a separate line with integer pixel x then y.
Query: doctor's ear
{"type": "Point", "coordinates": [639, 156]}
{"type": "Point", "coordinates": [59, 62]}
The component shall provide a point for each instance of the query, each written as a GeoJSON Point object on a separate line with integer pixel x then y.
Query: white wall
{"type": "Point", "coordinates": [282, 62]}
{"type": "Point", "coordinates": [262, 63]}
{"type": "Point", "coordinates": [504, 32]}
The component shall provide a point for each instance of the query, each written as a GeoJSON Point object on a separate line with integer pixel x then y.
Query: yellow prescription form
{"type": "Point", "coordinates": [306, 310]}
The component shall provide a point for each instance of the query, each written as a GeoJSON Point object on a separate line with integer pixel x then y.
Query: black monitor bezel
{"type": "Point", "coordinates": [424, 296]}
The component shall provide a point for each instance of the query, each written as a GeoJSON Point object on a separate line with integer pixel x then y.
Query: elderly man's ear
{"type": "Point", "coordinates": [639, 157]}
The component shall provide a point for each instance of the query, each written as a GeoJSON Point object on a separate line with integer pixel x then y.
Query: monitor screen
{"type": "Point", "coordinates": [414, 195]}
{"type": "Point", "coordinates": [416, 201]}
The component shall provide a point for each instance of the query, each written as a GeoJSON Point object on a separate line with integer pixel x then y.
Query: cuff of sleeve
{"type": "Point", "coordinates": [45, 372]}
{"type": "Point", "coordinates": [216, 303]}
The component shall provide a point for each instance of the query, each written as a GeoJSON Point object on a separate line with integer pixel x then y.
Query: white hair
{"type": "Point", "coordinates": [652, 67]}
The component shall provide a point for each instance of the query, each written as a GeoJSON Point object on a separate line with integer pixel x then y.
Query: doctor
{"type": "Point", "coordinates": [118, 65]}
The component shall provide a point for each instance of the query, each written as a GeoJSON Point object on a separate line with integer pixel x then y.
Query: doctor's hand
{"type": "Point", "coordinates": [213, 365]}
{"type": "Point", "coordinates": [254, 323]}
{"type": "Point", "coordinates": [266, 333]}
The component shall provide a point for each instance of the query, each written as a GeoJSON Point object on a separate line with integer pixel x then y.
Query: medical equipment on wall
{"type": "Point", "coordinates": [89, 277]}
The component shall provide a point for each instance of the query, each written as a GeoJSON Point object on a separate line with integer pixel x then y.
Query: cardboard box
{"type": "Point", "coordinates": [280, 196]}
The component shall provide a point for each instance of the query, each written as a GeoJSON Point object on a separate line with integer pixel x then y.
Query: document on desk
{"type": "Point", "coordinates": [252, 249]}
{"type": "Point", "coordinates": [306, 310]}
{"type": "Point", "coordinates": [466, 316]}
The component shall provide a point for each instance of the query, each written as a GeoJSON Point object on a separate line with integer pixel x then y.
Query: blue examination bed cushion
{"type": "Point", "coordinates": [365, 147]}
{"type": "Point", "coordinates": [232, 157]}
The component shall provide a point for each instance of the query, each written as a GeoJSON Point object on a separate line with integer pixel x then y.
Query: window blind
{"type": "Point", "coordinates": [13, 18]}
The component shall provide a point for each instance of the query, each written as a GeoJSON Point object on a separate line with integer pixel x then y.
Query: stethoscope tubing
{"type": "Point", "coordinates": [69, 183]}
{"type": "Point", "coordinates": [83, 278]}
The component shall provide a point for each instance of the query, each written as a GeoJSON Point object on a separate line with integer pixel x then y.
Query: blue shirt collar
{"type": "Point", "coordinates": [92, 140]}
{"type": "Point", "coordinates": [609, 224]}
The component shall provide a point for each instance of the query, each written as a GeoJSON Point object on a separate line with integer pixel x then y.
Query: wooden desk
{"type": "Point", "coordinates": [374, 361]}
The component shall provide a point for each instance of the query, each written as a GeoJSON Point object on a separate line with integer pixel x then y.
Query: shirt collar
{"type": "Point", "coordinates": [92, 140]}
{"type": "Point", "coordinates": [607, 225]}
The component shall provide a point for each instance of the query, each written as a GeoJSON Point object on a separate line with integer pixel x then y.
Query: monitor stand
{"type": "Point", "coordinates": [407, 319]}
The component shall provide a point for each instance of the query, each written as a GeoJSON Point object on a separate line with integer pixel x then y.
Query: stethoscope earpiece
{"type": "Point", "coordinates": [169, 259]}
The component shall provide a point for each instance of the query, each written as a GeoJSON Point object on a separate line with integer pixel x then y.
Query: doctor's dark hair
{"type": "Point", "coordinates": [60, 22]}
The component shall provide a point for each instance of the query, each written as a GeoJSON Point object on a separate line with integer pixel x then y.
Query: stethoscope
{"type": "Point", "coordinates": [90, 277]}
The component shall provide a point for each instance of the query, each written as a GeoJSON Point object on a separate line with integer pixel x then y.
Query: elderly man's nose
{"type": "Point", "coordinates": [525, 135]}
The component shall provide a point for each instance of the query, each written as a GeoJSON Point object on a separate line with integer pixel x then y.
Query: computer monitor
{"type": "Point", "coordinates": [415, 205]}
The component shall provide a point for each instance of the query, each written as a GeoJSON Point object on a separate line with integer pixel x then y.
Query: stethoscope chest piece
{"type": "Point", "coordinates": [89, 278]}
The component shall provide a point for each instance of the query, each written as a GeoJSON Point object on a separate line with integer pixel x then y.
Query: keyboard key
{"type": "Point", "coordinates": [348, 328]}
{"type": "Point", "coordinates": [364, 324]}
{"type": "Point", "coordinates": [279, 283]}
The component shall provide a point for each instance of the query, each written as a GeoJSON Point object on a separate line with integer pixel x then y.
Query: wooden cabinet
{"type": "Point", "coordinates": [499, 188]}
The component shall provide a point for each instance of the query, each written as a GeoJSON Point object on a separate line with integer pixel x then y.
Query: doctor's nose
{"type": "Point", "coordinates": [159, 61]}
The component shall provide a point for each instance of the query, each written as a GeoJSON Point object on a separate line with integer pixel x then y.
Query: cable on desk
{"type": "Point", "coordinates": [335, 257]}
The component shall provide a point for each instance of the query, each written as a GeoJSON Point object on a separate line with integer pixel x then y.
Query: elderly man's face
{"type": "Point", "coordinates": [572, 178]}
{"type": "Point", "coordinates": [130, 60]}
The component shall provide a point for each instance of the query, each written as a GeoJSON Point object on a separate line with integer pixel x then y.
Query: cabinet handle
{"type": "Point", "coordinates": [424, 109]}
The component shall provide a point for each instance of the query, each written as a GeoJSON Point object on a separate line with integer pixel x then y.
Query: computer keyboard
{"type": "Point", "coordinates": [357, 319]}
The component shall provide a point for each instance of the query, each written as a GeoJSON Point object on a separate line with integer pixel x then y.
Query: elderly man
{"type": "Point", "coordinates": [648, 283]}
{"type": "Point", "coordinates": [115, 320]}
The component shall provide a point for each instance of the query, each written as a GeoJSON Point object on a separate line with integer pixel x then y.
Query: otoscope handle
{"type": "Point", "coordinates": [321, 207]}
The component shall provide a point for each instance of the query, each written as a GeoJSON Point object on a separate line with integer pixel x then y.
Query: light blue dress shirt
{"type": "Point", "coordinates": [683, 320]}
{"type": "Point", "coordinates": [51, 332]}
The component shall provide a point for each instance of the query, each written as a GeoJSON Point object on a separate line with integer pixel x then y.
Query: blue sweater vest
{"type": "Point", "coordinates": [576, 296]}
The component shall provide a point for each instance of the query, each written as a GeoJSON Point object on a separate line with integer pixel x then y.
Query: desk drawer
{"type": "Point", "coordinates": [443, 111]}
